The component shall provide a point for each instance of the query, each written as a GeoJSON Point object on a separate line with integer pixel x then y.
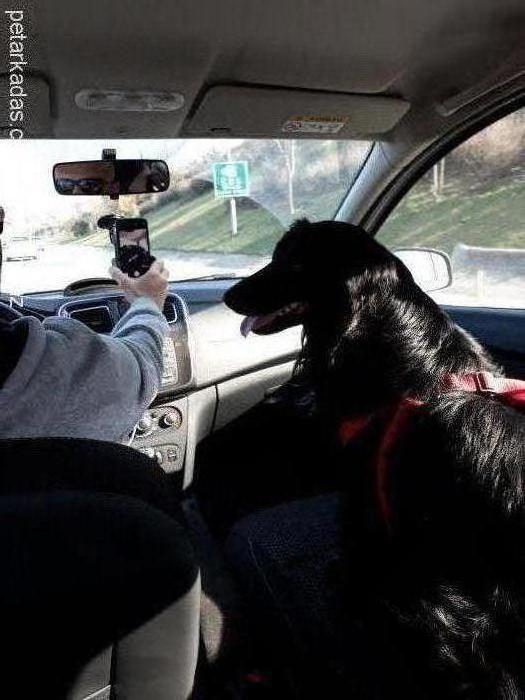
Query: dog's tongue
{"type": "Point", "coordinates": [248, 324]}
{"type": "Point", "coordinates": [264, 324]}
{"type": "Point", "coordinates": [253, 323]}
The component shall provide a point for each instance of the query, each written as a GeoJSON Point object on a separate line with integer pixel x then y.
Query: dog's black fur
{"type": "Point", "coordinates": [447, 588]}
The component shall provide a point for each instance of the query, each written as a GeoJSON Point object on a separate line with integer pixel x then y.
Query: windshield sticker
{"type": "Point", "coordinates": [318, 124]}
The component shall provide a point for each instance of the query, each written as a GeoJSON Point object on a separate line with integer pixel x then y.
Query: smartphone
{"type": "Point", "coordinates": [132, 251]}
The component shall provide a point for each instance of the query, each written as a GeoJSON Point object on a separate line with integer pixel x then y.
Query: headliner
{"type": "Point", "coordinates": [424, 52]}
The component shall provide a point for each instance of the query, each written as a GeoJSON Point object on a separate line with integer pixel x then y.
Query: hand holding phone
{"type": "Point", "coordinates": [153, 284]}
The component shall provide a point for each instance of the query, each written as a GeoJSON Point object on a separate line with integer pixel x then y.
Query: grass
{"type": "Point", "coordinates": [492, 217]}
{"type": "Point", "coordinates": [204, 225]}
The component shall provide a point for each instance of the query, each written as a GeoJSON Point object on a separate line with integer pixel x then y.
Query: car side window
{"type": "Point", "coordinates": [471, 205]}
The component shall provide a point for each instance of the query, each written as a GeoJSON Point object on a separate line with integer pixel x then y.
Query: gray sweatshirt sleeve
{"type": "Point", "coordinates": [140, 335]}
{"type": "Point", "coordinates": [113, 378]}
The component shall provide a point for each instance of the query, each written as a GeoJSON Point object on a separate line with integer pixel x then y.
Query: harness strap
{"type": "Point", "coordinates": [511, 392]}
{"type": "Point", "coordinates": [482, 382]}
{"type": "Point", "coordinates": [394, 430]}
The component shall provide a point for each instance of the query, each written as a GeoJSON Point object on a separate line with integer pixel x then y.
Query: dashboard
{"type": "Point", "coordinates": [211, 373]}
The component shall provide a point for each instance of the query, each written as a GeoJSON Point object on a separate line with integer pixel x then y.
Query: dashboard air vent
{"type": "Point", "coordinates": [170, 310]}
{"type": "Point", "coordinates": [98, 318]}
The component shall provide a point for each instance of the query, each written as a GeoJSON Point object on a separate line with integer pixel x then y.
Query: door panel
{"type": "Point", "coordinates": [500, 331]}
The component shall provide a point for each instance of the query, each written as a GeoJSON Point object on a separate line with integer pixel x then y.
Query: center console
{"type": "Point", "coordinates": [161, 432]}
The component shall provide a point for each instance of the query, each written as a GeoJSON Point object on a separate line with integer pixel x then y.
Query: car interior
{"type": "Point", "coordinates": [261, 114]}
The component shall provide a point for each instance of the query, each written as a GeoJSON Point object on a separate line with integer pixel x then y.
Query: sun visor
{"type": "Point", "coordinates": [24, 108]}
{"type": "Point", "coordinates": [238, 111]}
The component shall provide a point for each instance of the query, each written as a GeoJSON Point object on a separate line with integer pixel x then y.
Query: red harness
{"type": "Point", "coordinates": [510, 392]}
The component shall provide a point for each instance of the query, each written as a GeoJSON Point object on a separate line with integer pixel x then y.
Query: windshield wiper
{"type": "Point", "coordinates": [205, 278]}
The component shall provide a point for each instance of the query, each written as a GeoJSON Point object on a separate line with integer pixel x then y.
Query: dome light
{"type": "Point", "coordinates": [128, 101]}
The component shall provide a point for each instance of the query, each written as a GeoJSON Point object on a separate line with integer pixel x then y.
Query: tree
{"type": "Point", "coordinates": [80, 228]}
{"type": "Point", "coordinates": [438, 179]}
{"type": "Point", "coordinates": [287, 148]}
{"type": "Point", "coordinates": [344, 161]}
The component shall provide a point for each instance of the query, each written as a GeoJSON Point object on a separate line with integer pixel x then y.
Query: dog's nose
{"type": "Point", "coordinates": [233, 299]}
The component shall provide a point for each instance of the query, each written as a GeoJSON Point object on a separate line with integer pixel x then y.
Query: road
{"type": "Point", "coordinates": [59, 265]}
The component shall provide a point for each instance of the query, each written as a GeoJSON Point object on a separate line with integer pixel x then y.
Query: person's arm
{"type": "Point", "coordinates": [139, 328]}
{"type": "Point", "coordinates": [103, 384]}
{"type": "Point", "coordinates": [113, 378]}
{"type": "Point", "coordinates": [141, 331]}
{"type": "Point", "coordinates": [73, 382]}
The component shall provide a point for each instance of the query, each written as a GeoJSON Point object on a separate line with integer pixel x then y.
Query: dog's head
{"type": "Point", "coordinates": [310, 273]}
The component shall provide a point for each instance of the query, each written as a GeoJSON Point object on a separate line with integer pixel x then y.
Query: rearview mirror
{"type": "Point", "coordinates": [431, 269]}
{"type": "Point", "coordinates": [111, 177]}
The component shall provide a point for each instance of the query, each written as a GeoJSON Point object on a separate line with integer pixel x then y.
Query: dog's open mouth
{"type": "Point", "coordinates": [285, 317]}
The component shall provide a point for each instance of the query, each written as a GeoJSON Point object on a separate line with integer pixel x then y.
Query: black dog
{"type": "Point", "coordinates": [436, 482]}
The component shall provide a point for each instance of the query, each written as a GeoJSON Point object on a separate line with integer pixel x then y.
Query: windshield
{"type": "Point", "coordinates": [196, 227]}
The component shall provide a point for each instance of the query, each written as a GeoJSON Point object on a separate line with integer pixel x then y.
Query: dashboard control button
{"type": "Point", "coordinates": [172, 454]}
{"type": "Point", "coordinates": [145, 424]}
{"type": "Point", "coordinates": [171, 419]}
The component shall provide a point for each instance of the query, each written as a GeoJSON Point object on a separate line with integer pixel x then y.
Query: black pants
{"type": "Point", "coordinates": [90, 549]}
{"type": "Point", "coordinates": [271, 454]}
{"type": "Point", "coordinates": [290, 562]}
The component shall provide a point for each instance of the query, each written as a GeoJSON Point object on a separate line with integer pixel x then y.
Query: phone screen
{"type": "Point", "coordinates": [132, 247]}
{"type": "Point", "coordinates": [135, 236]}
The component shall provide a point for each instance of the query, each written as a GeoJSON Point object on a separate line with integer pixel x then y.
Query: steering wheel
{"type": "Point", "coordinates": [92, 284]}
{"type": "Point", "coordinates": [12, 311]}
{"type": "Point", "coordinates": [8, 313]}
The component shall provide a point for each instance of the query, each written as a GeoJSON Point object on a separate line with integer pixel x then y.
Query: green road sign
{"type": "Point", "coordinates": [231, 179]}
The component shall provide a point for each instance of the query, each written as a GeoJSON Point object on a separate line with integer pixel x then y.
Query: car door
{"type": "Point", "coordinates": [471, 205]}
